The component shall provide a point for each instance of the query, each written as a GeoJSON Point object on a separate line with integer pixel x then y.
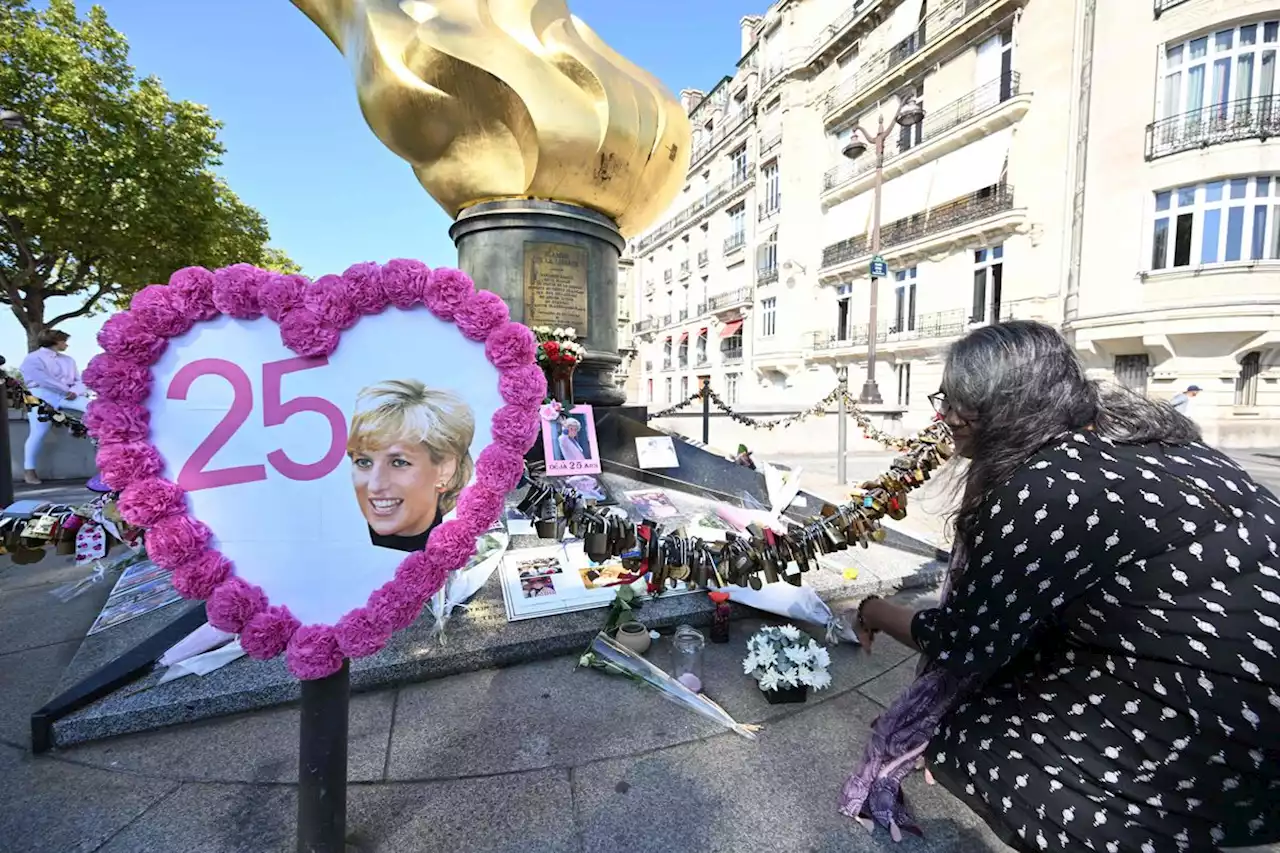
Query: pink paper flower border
{"type": "Point", "coordinates": [311, 318]}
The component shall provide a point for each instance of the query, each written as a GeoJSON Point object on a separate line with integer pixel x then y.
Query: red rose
{"type": "Point", "coordinates": [551, 348]}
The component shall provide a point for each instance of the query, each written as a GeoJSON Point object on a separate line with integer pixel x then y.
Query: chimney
{"type": "Point", "coordinates": [690, 98]}
{"type": "Point", "coordinates": [749, 24]}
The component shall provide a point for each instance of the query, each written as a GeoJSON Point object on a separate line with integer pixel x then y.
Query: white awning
{"type": "Point", "coordinates": [848, 218]}
{"type": "Point", "coordinates": [907, 194]}
{"type": "Point", "coordinates": [976, 166]}
{"type": "Point", "coordinates": [904, 21]}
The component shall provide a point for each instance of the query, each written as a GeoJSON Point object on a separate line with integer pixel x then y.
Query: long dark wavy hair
{"type": "Point", "coordinates": [1025, 386]}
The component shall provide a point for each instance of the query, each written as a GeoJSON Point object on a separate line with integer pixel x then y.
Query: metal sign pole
{"type": "Point", "coordinates": [322, 763]}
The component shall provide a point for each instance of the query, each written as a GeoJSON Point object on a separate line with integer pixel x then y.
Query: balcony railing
{"type": "Point", "coordinates": [683, 315]}
{"type": "Point", "coordinates": [839, 25]}
{"type": "Point", "coordinates": [1163, 6]}
{"type": "Point", "coordinates": [970, 208]}
{"type": "Point", "coordinates": [666, 363]}
{"type": "Point", "coordinates": [731, 355]}
{"type": "Point", "coordinates": [666, 276]}
{"type": "Point", "coordinates": [768, 209]}
{"type": "Point", "coordinates": [767, 275]}
{"type": "Point", "coordinates": [730, 124]}
{"type": "Point", "coordinates": [691, 213]}
{"type": "Point", "coordinates": [874, 67]}
{"type": "Point", "coordinates": [645, 325]}
{"type": "Point", "coordinates": [734, 242]}
{"type": "Point", "coordinates": [703, 258]}
{"type": "Point", "coordinates": [721, 301]}
{"type": "Point", "coordinates": [936, 123]}
{"type": "Point", "coordinates": [665, 321]}
{"type": "Point", "coordinates": [1233, 121]}
{"type": "Point", "coordinates": [931, 326]}
{"type": "Point", "coordinates": [684, 269]}
{"type": "Point", "coordinates": [702, 360]}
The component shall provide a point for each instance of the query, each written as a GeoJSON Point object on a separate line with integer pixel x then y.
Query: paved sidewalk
{"type": "Point", "coordinates": [536, 757]}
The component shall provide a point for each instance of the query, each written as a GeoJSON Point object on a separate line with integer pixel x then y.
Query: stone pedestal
{"type": "Point", "coordinates": [539, 256]}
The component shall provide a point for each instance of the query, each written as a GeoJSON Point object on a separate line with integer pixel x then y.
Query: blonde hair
{"type": "Point", "coordinates": [407, 410]}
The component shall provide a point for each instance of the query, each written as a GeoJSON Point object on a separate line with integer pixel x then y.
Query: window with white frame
{"type": "Point", "coordinates": [772, 187]}
{"type": "Point", "coordinates": [988, 281]}
{"type": "Point", "coordinates": [905, 300]}
{"type": "Point", "coordinates": [738, 159]}
{"type": "Point", "coordinates": [701, 347]}
{"type": "Point", "coordinates": [737, 223]}
{"type": "Point", "coordinates": [731, 388]}
{"type": "Point", "coordinates": [666, 384]}
{"type": "Point", "coordinates": [666, 354]}
{"type": "Point", "coordinates": [684, 387]}
{"type": "Point", "coordinates": [903, 373]}
{"type": "Point", "coordinates": [768, 317]}
{"type": "Point", "coordinates": [1247, 380]}
{"type": "Point", "coordinates": [843, 319]}
{"type": "Point", "coordinates": [1202, 75]}
{"type": "Point", "coordinates": [1216, 222]}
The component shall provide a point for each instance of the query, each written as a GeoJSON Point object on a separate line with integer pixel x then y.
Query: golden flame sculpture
{"type": "Point", "coordinates": [491, 99]}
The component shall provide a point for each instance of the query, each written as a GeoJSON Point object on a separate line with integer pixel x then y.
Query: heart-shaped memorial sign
{"type": "Point", "coordinates": [284, 443]}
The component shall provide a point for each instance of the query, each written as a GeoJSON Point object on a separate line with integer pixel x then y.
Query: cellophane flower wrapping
{"type": "Point", "coordinates": [606, 654]}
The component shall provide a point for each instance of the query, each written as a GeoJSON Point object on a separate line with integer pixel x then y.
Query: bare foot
{"type": "Point", "coordinates": [31, 478]}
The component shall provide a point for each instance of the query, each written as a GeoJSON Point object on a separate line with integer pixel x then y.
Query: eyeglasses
{"type": "Point", "coordinates": [939, 402]}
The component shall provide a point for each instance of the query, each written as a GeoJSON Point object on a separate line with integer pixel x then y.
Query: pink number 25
{"type": "Point", "coordinates": [194, 476]}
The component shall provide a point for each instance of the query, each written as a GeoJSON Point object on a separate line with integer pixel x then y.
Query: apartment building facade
{"type": "Point", "coordinates": [1034, 187]}
{"type": "Point", "coordinates": [1179, 258]}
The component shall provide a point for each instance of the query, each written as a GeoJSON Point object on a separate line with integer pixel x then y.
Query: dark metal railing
{"type": "Point", "coordinates": [961, 211]}
{"type": "Point", "coordinates": [666, 276]}
{"type": "Point", "coordinates": [684, 268]}
{"type": "Point", "coordinates": [729, 355]}
{"type": "Point", "coordinates": [643, 326]}
{"type": "Point", "coordinates": [730, 124]}
{"type": "Point", "coordinates": [877, 65]}
{"type": "Point", "coordinates": [723, 300]}
{"type": "Point", "coordinates": [702, 359]}
{"type": "Point", "coordinates": [666, 363]}
{"type": "Point", "coordinates": [1162, 6]}
{"type": "Point", "coordinates": [1232, 121]}
{"type": "Point", "coordinates": [768, 209]}
{"type": "Point", "coordinates": [703, 258]}
{"type": "Point", "coordinates": [766, 275]}
{"type": "Point", "coordinates": [691, 213]}
{"type": "Point", "coordinates": [936, 123]}
{"type": "Point", "coordinates": [734, 241]}
{"type": "Point", "coordinates": [683, 315]}
{"type": "Point", "coordinates": [666, 320]}
{"type": "Point", "coordinates": [931, 326]}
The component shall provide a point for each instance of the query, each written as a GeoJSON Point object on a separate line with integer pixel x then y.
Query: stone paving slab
{"type": "Point", "coordinates": [56, 807]}
{"type": "Point", "coordinates": [27, 678]}
{"type": "Point", "coordinates": [569, 717]}
{"type": "Point", "coordinates": [30, 621]}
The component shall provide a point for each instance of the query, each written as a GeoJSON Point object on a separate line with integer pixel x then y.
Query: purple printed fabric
{"type": "Point", "coordinates": [899, 736]}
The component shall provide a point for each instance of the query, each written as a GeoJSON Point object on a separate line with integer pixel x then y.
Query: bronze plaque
{"type": "Point", "coordinates": [555, 286]}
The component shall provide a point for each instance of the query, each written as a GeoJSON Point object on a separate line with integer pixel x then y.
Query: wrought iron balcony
{"type": "Point", "coordinates": [695, 211]}
{"type": "Point", "coordinates": [971, 208]}
{"type": "Point", "coordinates": [683, 315]}
{"type": "Point", "coordinates": [768, 209]}
{"type": "Point", "coordinates": [932, 326]}
{"type": "Point", "coordinates": [702, 360]}
{"type": "Point", "coordinates": [936, 123]}
{"type": "Point", "coordinates": [1162, 6]}
{"type": "Point", "coordinates": [666, 276]}
{"type": "Point", "coordinates": [703, 258]}
{"type": "Point", "coordinates": [721, 301]}
{"type": "Point", "coordinates": [767, 275]}
{"type": "Point", "coordinates": [684, 269]}
{"type": "Point", "coordinates": [665, 321]}
{"type": "Point", "coordinates": [1233, 121]}
{"type": "Point", "coordinates": [645, 325]}
{"type": "Point", "coordinates": [835, 35]}
{"type": "Point", "coordinates": [666, 363]}
{"type": "Point", "coordinates": [730, 124]}
{"type": "Point", "coordinates": [935, 24]}
{"type": "Point", "coordinates": [731, 355]}
{"type": "Point", "coordinates": [734, 242]}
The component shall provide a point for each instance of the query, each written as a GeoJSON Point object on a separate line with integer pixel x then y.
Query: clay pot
{"type": "Point", "coordinates": [634, 636]}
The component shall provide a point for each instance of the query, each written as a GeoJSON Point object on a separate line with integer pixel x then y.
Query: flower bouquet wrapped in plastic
{"type": "Point", "coordinates": [607, 655]}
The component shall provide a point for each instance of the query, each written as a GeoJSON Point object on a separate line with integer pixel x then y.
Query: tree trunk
{"type": "Point", "coordinates": [33, 336]}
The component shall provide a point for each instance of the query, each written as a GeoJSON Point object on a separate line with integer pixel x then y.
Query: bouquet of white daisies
{"type": "Point", "coordinates": [782, 658]}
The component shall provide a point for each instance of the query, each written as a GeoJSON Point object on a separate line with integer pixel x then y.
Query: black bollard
{"type": "Point", "coordinates": [322, 763]}
{"type": "Point", "coordinates": [706, 410]}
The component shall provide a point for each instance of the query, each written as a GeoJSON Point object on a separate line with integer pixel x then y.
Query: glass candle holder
{"type": "Point", "coordinates": [686, 657]}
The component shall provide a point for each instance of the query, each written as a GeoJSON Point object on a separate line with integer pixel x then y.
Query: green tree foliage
{"type": "Point", "coordinates": [111, 186]}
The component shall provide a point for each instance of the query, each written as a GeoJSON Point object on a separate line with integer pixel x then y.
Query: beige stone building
{"type": "Point", "coordinates": [1036, 186]}
{"type": "Point", "coordinates": [1177, 276]}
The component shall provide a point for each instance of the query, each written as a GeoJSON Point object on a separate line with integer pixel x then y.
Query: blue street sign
{"type": "Point", "coordinates": [879, 269]}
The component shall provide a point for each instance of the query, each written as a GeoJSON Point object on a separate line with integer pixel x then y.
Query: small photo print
{"type": "Point", "coordinates": [652, 504]}
{"type": "Point", "coordinates": [537, 567]}
{"type": "Point", "coordinates": [606, 575]}
{"type": "Point", "coordinates": [537, 587]}
{"type": "Point", "coordinates": [569, 443]}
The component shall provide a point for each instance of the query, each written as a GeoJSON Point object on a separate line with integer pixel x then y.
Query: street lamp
{"type": "Point", "coordinates": [909, 113]}
{"type": "Point", "coordinates": [12, 119]}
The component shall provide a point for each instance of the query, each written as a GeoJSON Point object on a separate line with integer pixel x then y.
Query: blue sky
{"type": "Point", "coordinates": [297, 146]}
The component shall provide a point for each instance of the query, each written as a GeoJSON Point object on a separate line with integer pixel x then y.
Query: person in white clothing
{"type": "Point", "coordinates": [51, 375]}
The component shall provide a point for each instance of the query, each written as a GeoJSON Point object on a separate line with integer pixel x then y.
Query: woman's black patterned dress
{"type": "Point", "coordinates": [1121, 606]}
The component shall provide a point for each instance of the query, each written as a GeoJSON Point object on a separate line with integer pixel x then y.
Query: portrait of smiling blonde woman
{"type": "Point", "coordinates": [410, 452]}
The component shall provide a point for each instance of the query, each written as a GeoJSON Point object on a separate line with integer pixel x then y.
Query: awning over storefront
{"type": "Point", "coordinates": [684, 336]}
{"type": "Point", "coordinates": [731, 329]}
{"type": "Point", "coordinates": [976, 166]}
{"type": "Point", "coordinates": [702, 333]}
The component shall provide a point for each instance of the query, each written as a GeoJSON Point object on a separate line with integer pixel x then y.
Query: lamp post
{"type": "Point", "coordinates": [9, 120]}
{"type": "Point", "coordinates": [909, 113]}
